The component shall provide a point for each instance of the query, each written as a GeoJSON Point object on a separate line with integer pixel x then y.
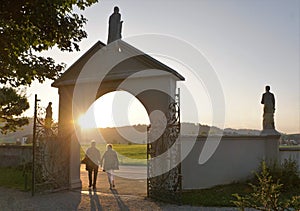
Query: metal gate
{"type": "Point", "coordinates": [164, 180]}
{"type": "Point", "coordinates": [49, 158]}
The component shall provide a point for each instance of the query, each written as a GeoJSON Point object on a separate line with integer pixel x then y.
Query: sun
{"type": "Point", "coordinates": [114, 109]}
{"type": "Point", "coordinates": [87, 121]}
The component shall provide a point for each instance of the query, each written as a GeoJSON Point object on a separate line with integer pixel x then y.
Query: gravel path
{"type": "Point", "coordinates": [85, 200]}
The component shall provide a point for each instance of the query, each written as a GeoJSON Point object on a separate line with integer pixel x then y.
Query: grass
{"type": "Point", "coordinates": [14, 178]}
{"type": "Point", "coordinates": [221, 196]}
{"type": "Point", "coordinates": [134, 154]}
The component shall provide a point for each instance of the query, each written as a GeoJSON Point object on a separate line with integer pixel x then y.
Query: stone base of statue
{"type": "Point", "coordinates": [267, 132]}
{"type": "Point", "coordinates": [268, 125]}
{"type": "Point", "coordinates": [268, 121]}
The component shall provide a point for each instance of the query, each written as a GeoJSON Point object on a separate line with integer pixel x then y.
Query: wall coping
{"type": "Point", "coordinates": [235, 137]}
{"type": "Point", "coordinates": [15, 146]}
{"type": "Point", "coordinates": [290, 148]}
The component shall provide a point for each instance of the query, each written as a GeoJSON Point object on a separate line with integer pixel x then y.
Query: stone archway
{"type": "Point", "coordinates": [120, 66]}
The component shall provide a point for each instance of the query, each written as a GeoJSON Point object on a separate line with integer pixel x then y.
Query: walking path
{"type": "Point", "coordinates": [129, 195]}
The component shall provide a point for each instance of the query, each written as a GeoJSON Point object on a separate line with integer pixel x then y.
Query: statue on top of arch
{"type": "Point", "coordinates": [115, 26]}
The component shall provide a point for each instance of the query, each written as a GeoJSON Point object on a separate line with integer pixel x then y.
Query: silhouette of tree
{"type": "Point", "coordinates": [12, 105]}
{"type": "Point", "coordinates": [28, 27]}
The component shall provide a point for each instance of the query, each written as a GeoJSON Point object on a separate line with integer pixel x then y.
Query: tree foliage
{"type": "Point", "coordinates": [28, 27]}
{"type": "Point", "coordinates": [12, 105]}
{"type": "Point", "coordinates": [266, 194]}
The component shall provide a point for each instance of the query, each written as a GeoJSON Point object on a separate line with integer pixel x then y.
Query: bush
{"type": "Point", "coordinates": [289, 174]}
{"type": "Point", "coordinates": [266, 192]}
{"type": "Point", "coordinates": [286, 173]}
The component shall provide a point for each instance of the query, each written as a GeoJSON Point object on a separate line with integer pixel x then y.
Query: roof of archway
{"type": "Point", "coordinates": [139, 58]}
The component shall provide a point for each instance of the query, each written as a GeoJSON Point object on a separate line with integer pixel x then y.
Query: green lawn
{"type": "Point", "coordinates": [14, 178]}
{"type": "Point", "coordinates": [134, 154]}
{"type": "Point", "coordinates": [216, 196]}
{"type": "Point", "coordinates": [221, 196]}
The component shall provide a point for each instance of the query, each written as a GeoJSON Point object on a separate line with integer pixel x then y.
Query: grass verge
{"type": "Point", "coordinates": [14, 178]}
{"type": "Point", "coordinates": [221, 196]}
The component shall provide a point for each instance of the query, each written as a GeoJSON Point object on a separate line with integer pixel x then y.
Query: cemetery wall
{"type": "Point", "coordinates": [235, 159]}
{"type": "Point", "coordinates": [15, 155]}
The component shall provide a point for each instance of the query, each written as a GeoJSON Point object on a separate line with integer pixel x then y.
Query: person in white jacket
{"type": "Point", "coordinates": [110, 163]}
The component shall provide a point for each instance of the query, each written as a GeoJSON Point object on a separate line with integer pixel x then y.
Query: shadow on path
{"type": "Point", "coordinates": [136, 187]}
{"type": "Point", "coordinates": [121, 204]}
{"type": "Point", "coordinates": [11, 199]}
{"type": "Point", "coordinates": [94, 201]}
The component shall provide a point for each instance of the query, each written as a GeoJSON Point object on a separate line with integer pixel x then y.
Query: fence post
{"type": "Point", "coordinates": [34, 145]}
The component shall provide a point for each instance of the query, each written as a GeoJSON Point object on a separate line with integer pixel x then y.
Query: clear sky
{"type": "Point", "coordinates": [249, 44]}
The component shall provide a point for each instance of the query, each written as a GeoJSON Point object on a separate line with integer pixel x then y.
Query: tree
{"type": "Point", "coordinates": [12, 105]}
{"type": "Point", "coordinates": [31, 26]}
{"type": "Point", "coordinates": [266, 194]}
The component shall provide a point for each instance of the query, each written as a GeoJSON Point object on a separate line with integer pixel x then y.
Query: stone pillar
{"type": "Point", "coordinates": [272, 147]}
{"type": "Point", "coordinates": [66, 132]}
{"type": "Point", "coordinates": [75, 181]}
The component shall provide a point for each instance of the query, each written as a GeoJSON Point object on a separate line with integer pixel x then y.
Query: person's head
{"type": "Point", "coordinates": [267, 88]}
{"type": "Point", "coordinates": [93, 143]}
{"type": "Point", "coordinates": [50, 104]}
{"type": "Point", "coordinates": [108, 146]}
{"type": "Point", "coordinates": [116, 9]}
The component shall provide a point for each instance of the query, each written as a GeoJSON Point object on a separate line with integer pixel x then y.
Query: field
{"type": "Point", "coordinates": [134, 154]}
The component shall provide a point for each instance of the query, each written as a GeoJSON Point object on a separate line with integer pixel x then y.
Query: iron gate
{"type": "Point", "coordinates": [50, 159]}
{"type": "Point", "coordinates": [164, 180]}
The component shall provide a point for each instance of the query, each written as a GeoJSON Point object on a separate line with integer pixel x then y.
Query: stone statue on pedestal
{"type": "Point", "coordinates": [115, 26]}
{"type": "Point", "coordinates": [48, 117]}
{"type": "Point", "coordinates": [268, 100]}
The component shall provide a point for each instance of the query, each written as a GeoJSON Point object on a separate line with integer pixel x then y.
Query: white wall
{"type": "Point", "coordinates": [234, 160]}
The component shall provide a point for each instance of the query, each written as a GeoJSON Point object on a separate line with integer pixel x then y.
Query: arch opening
{"type": "Point", "coordinates": [120, 119]}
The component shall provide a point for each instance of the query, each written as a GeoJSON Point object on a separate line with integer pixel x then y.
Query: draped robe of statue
{"type": "Point", "coordinates": [268, 100]}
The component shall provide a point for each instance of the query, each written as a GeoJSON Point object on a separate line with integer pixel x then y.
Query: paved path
{"type": "Point", "coordinates": [126, 182]}
{"type": "Point", "coordinates": [132, 172]}
{"type": "Point", "coordinates": [129, 195]}
{"type": "Point", "coordinates": [85, 200]}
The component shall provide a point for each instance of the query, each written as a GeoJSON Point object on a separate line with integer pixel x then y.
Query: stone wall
{"type": "Point", "coordinates": [15, 155]}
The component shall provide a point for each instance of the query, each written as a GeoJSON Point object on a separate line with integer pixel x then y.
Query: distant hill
{"type": "Point", "coordinates": [119, 135]}
{"type": "Point", "coordinates": [138, 133]}
{"type": "Point", "coordinates": [248, 132]}
{"type": "Point", "coordinates": [198, 129]}
{"type": "Point", "coordinates": [12, 137]}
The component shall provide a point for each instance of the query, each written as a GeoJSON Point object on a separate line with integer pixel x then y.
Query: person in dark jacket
{"type": "Point", "coordinates": [92, 161]}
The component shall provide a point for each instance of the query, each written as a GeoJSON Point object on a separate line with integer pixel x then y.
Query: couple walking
{"type": "Point", "coordinates": [109, 162]}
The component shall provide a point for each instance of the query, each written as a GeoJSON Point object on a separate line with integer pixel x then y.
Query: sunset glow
{"type": "Point", "coordinates": [114, 109]}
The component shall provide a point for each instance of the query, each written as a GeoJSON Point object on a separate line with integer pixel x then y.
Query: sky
{"type": "Point", "coordinates": [248, 44]}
